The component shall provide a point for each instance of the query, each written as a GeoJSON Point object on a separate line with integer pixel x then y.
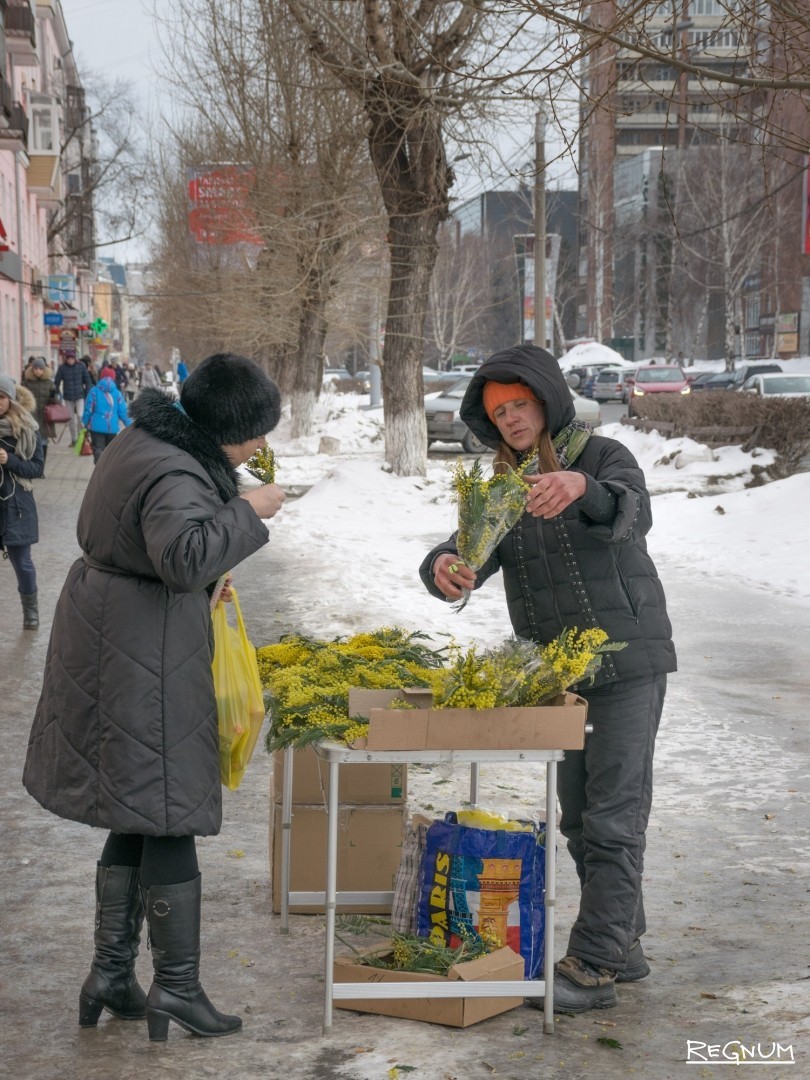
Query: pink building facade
{"type": "Point", "coordinates": [39, 284]}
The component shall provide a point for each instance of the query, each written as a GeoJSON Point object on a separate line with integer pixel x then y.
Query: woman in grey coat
{"type": "Point", "coordinates": [578, 558]}
{"type": "Point", "coordinates": [125, 734]}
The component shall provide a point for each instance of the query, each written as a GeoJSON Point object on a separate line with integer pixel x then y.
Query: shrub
{"type": "Point", "coordinates": [784, 422]}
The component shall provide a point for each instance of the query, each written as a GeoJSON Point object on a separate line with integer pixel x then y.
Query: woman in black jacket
{"type": "Point", "coordinates": [578, 558]}
{"type": "Point", "coordinates": [125, 733]}
{"type": "Point", "coordinates": [21, 461]}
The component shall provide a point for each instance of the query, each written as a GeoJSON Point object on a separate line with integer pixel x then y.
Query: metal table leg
{"type": "Point", "coordinates": [475, 778]}
{"type": "Point", "coordinates": [551, 885]}
{"type": "Point", "coordinates": [331, 891]}
{"type": "Point", "coordinates": [286, 835]}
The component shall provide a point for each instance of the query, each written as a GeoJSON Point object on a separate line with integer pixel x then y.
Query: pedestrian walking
{"type": "Point", "coordinates": [125, 732]}
{"type": "Point", "coordinates": [182, 374]}
{"type": "Point", "coordinates": [578, 558]}
{"type": "Point", "coordinates": [37, 380]}
{"type": "Point", "coordinates": [91, 370]}
{"type": "Point", "coordinates": [149, 377]}
{"type": "Point", "coordinates": [104, 412]}
{"type": "Point", "coordinates": [132, 383]}
{"type": "Point", "coordinates": [73, 383]}
{"type": "Point", "coordinates": [21, 461]}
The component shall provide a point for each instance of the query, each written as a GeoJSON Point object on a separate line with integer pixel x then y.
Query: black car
{"type": "Point", "coordinates": [717, 380]}
{"type": "Point", "coordinates": [745, 371]}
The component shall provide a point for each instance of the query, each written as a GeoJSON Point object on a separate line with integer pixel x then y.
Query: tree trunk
{"type": "Point", "coordinates": [311, 336]}
{"type": "Point", "coordinates": [413, 246]}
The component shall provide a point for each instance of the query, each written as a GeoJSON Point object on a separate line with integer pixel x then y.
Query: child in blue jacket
{"type": "Point", "coordinates": [104, 411]}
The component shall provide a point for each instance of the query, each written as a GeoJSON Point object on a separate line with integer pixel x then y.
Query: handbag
{"type": "Point", "coordinates": [56, 412]}
{"type": "Point", "coordinates": [238, 690]}
{"type": "Point", "coordinates": [78, 446]}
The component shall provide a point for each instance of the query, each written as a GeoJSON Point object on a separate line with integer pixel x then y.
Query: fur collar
{"type": "Point", "coordinates": [154, 412]}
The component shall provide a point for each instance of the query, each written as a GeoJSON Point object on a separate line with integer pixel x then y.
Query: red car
{"type": "Point", "coordinates": [656, 379]}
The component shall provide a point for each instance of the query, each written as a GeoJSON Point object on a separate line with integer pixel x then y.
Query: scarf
{"type": "Point", "coordinates": [570, 441]}
{"type": "Point", "coordinates": [26, 436]}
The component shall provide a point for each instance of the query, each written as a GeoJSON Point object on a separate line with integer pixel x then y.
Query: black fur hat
{"type": "Point", "coordinates": [231, 399]}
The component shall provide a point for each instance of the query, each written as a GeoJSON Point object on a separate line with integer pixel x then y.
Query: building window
{"type": "Point", "coordinates": [752, 310]}
{"type": "Point", "coordinates": [707, 7]}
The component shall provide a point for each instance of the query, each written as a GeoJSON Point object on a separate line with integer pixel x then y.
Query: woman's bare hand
{"type": "Point", "coordinates": [551, 493]}
{"type": "Point", "coordinates": [225, 593]}
{"type": "Point", "coordinates": [265, 500]}
{"type": "Point", "coordinates": [452, 577]}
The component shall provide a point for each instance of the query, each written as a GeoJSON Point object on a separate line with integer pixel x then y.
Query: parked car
{"type": "Point", "coordinates": [431, 375]}
{"type": "Point", "coordinates": [778, 384]}
{"type": "Point", "coordinates": [611, 384]}
{"type": "Point", "coordinates": [744, 372]}
{"type": "Point", "coordinates": [445, 425]}
{"type": "Point", "coordinates": [576, 377]}
{"type": "Point", "coordinates": [658, 379]}
{"type": "Point", "coordinates": [718, 380]}
{"type": "Point", "coordinates": [698, 380]}
{"type": "Point", "coordinates": [334, 375]}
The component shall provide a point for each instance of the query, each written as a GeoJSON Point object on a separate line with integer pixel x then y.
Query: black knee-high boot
{"type": "Point", "coordinates": [112, 984]}
{"type": "Point", "coordinates": [173, 914]}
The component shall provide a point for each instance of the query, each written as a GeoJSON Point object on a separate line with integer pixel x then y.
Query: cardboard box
{"type": "Point", "coordinates": [503, 964]}
{"type": "Point", "coordinates": [375, 785]}
{"type": "Point", "coordinates": [369, 850]}
{"type": "Point", "coordinates": [560, 726]}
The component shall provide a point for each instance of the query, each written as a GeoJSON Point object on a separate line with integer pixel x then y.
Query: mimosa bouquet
{"type": "Point", "coordinates": [521, 673]}
{"type": "Point", "coordinates": [263, 465]}
{"type": "Point", "coordinates": [487, 510]}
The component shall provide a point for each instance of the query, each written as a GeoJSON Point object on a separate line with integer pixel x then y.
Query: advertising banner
{"type": "Point", "coordinates": [219, 211]}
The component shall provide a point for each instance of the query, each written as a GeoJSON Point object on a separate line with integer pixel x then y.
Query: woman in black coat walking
{"type": "Point", "coordinates": [21, 461]}
{"type": "Point", "coordinates": [578, 558]}
{"type": "Point", "coordinates": [125, 734]}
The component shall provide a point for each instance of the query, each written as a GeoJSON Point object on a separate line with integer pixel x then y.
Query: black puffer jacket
{"type": "Point", "coordinates": [125, 734]}
{"type": "Point", "coordinates": [73, 381]}
{"type": "Point", "coordinates": [570, 571]}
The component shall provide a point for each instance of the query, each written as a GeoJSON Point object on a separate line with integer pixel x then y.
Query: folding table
{"type": "Point", "coordinates": [337, 754]}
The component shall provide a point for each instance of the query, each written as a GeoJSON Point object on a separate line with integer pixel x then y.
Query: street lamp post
{"type": "Point", "coordinates": [540, 229]}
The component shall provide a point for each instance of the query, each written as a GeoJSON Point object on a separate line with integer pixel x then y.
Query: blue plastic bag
{"type": "Point", "coordinates": [490, 881]}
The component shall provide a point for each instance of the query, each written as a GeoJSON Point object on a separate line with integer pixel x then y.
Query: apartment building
{"type": "Point", "coordinates": [45, 211]}
{"type": "Point", "coordinates": [674, 167]}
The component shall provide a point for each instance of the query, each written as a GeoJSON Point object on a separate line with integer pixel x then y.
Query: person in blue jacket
{"type": "Point", "coordinates": [21, 461]}
{"type": "Point", "coordinates": [104, 412]}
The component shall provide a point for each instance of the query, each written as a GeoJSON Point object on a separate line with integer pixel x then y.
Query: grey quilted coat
{"type": "Point", "coordinates": [125, 733]}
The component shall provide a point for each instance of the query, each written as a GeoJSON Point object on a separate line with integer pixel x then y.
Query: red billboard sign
{"type": "Point", "coordinates": [219, 205]}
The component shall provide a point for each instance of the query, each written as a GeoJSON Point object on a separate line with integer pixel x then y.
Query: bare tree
{"type": "Point", "coordinates": [460, 294]}
{"type": "Point", "coordinates": [726, 224]}
{"type": "Point", "coordinates": [246, 75]}
{"type": "Point", "coordinates": [106, 199]}
{"type": "Point", "coordinates": [418, 68]}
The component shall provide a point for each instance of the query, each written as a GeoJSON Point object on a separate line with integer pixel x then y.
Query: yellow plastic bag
{"type": "Point", "coordinates": [238, 689]}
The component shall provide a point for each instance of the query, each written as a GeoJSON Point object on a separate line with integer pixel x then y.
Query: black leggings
{"type": "Point", "coordinates": [164, 860]}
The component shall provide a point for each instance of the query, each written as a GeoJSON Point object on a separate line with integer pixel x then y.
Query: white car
{"type": "Point", "coordinates": [776, 385]}
{"type": "Point", "coordinates": [445, 425]}
{"type": "Point", "coordinates": [587, 409]}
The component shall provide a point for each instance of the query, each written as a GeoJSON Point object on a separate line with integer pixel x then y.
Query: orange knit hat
{"type": "Point", "coordinates": [497, 393]}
